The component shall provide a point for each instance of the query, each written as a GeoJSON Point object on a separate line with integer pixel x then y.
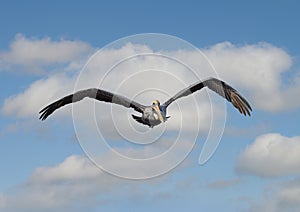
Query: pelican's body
{"type": "Point", "coordinates": [156, 113]}
{"type": "Point", "coordinates": [153, 115]}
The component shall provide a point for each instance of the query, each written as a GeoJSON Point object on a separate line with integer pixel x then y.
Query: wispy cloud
{"type": "Point", "coordinates": [252, 131]}
{"type": "Point", "coordinates": [280, 197]}
{"type": "Point", "coordinates": [221, 184]}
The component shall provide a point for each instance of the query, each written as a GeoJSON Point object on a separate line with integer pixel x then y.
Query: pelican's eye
{"type": "Point", "coordinates": [153, 103]}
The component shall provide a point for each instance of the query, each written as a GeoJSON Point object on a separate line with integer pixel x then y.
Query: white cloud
{"type": "Point", "coordinates": [255, 70]}
{"type": "Point", "coordinates": [74, 168]}
{"type": "Point", "coordinates": [36, 96]}
{"type": "Point", "coordinates": [271, 155]}
{"type": "Point", "coordinates": [259, 69]}
{"type": "Point", "coordinates": [74, 184]}
{"type": "Point", "coordinates": [32, 55]}
{"type": "Point", "coordinates": [44, 91]}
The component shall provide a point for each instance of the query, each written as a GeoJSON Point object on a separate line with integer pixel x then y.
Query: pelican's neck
{"type": "Point", "coordinates": [157, 109]}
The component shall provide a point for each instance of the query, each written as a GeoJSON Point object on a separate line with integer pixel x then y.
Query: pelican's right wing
{"type": "Point", "coordinates": [221, 88]}
{"type": "Point", "coordinates": [94, 93]}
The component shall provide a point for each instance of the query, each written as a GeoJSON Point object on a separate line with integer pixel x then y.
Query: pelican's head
{"type": "Point", "coordinates": [155, 106]}
{"type": "Point", "coordinates": [155, 102]}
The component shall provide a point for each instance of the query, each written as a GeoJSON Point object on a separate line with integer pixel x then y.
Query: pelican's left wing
{"type": "Point", "coordinates": [220, 88]}
{"type": "Point", "coordinates": [94, 93]}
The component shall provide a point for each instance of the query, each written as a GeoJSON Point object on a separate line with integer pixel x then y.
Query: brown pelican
{"type": "Point", "coordinates": [156, 113]}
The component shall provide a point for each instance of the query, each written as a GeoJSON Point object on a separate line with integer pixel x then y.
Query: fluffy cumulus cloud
{"type": "Point", "coordinates": [72, 168]}
{"type": "Point", "coordinates": [143, 74]}
{"type": "Point", "coordinates": [256, 70]}
{"type": "Point", "coordinates": [74, 184]}
{"type": "Point", "coordinates": [75, 181]}
{"type": "Point", "coordinates": [139, 72]}
{"type": "Point", "coordinates": [31, 100]}
{"type": "Point", "coordinates": [141, 78]}
{"type": "Point", "coordinates": [32, 55]}
{"type": "Point", "coordinates": [271, 155]}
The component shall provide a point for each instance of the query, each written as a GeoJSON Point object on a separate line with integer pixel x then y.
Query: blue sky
{"type": "Point", "coordinates": [253, 45]}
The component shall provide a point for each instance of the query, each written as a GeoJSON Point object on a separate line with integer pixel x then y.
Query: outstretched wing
{"type": "Point", "coordinates": [94, 93]}
{"type": "Point", "coordinates": [220, 88]}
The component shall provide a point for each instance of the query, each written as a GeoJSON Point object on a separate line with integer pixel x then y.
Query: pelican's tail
{"type": "Point", "coordinates": [140, 120]}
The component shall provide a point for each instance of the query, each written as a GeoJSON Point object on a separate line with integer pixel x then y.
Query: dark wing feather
{"type": "Point", "coordinates": [220, 88]}
{"type": "Point", "coordinates": [94, 93]}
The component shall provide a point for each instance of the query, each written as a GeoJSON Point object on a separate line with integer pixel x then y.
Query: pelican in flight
{"type": "Point", "coordinates": [156, 113]}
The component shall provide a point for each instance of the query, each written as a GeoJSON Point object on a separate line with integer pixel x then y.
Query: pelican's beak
{"type": "Point", "coordinates": [156, 108]}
